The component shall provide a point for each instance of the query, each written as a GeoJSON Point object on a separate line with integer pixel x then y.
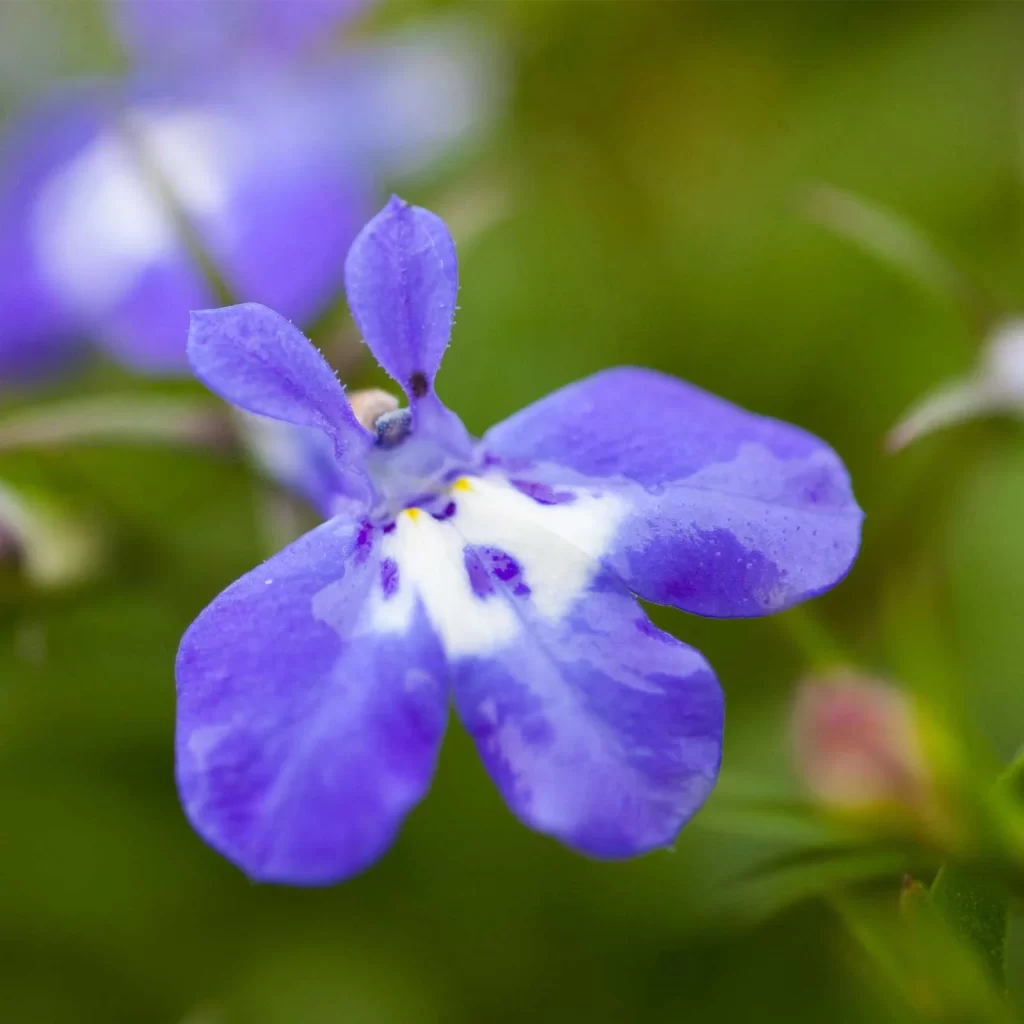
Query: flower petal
{"type": "Point", "coordinates": [730, 513]}
{"type": "Point", "coordinates": [297, 458]}
{"type": "Point", "coordinates": [248, 164]}
{"type": "Point", "coordinates": [187, 33]}
{"type": "Point", "coordinates": [401, 278]}
{"type": "Point", "coordinates": [255, 359]}
{"type": "Point", "coordinates": [96, 185]}
{"type": "Point", "coordinates": [412, 93]}
{"type": "Point", "coordinates": [303, 740]}
{"type": "Point", "coordinates": [39, 327]}
{"type": "Point", "coordinates": [146, 327]}
{"type": "Point", "coordinates": [96, 232]}
{"type": "Point", "coordinates": [282, 237]}
{"type": "Point", "coordinates": [37, 332]}
{"type": "Point", "coordinates": [598, 728]}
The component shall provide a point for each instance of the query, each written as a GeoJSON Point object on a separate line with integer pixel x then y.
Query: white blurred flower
{"type": "Point", "coordinates": [995, 386]}
{"type": "Point", "coordinates": [53, 547]}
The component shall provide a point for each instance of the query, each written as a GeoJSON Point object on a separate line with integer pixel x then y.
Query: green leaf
{"type": "Point", "coordinates": [781, 881]}
{"type": "Point", "coordinates": [977, 908]}
{"type": "Point", "coordinates": [919, 960]}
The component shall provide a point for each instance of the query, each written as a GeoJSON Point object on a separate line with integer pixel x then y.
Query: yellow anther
{"type": "Point", "coordinates": [462, 484]}
{"type": "Point", "coordinates": [413, 513]}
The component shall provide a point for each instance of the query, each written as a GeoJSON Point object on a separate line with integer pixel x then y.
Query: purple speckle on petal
{"type": "Point", "coordinates": [389, 577]}
{"type": "Point", "coordinates": [504, 565]}
{"type": "Point", "coordinates": [505, 568]}
{"type": "Point", "coordinates": [389, 527]}
{"type": "Point", "coordinates": [364, 542]}
{"type": "Point", "coordinates": [479, 579]}
{"type": "Point", "coordinates": [446, 513]}
{"type": "Point", "coordinates": [543, 494]}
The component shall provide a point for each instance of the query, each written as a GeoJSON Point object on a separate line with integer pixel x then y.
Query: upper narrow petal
{"type": "Point", "coordinates": [255, 359]}
{"type": "Point", "coordinates": [303, 738]}
{"type": "Point", "coordinates": [401, 278]}
{"type": "Point", "coordinates": [730, 513]}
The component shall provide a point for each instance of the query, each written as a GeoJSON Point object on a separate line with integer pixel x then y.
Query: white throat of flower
{"type": "Point", "coordinates": [557, 547]}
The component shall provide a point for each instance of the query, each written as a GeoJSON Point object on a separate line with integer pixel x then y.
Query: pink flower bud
{"type": "Point", "coordinates": [858, 744]}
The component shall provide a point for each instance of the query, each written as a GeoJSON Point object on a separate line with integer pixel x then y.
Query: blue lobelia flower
{"type": "Point", "coordinates": [220, 147]}
{"type": "Point", "coordinates": [505, 572]}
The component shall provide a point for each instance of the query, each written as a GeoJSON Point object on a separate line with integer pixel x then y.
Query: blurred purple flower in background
{"type": "Point", "coordinates": [312, 693]}
{"type": "Point", "coordinates": [190, 32]}
{"type": "Point", "coordinates": [232, 147]}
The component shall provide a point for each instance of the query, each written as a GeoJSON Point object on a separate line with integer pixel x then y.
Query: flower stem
{"type": "Point", "coordinates": [818, 644]}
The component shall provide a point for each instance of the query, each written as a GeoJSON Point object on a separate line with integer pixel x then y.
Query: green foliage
{"type": "Point", "coordinates": [977, 908]}
{"type": "Point", "coordinates": [652, 172]}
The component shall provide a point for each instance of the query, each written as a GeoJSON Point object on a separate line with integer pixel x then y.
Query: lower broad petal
{"type": "Point", "coordinates": [303, 739]}
{"type": "Point", "coordinates": [727, 513]}
{"type": "Point", "coordinates": [598, 728]}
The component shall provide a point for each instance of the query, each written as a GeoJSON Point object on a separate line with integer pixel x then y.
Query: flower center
{"type": "Point", "coordinates": [409, 468]}
{"type": "Point", "coordinates": [489, 550]}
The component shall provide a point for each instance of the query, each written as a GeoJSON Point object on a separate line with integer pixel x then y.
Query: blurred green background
{"type": "Point", "coordinates": [640, 198]}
